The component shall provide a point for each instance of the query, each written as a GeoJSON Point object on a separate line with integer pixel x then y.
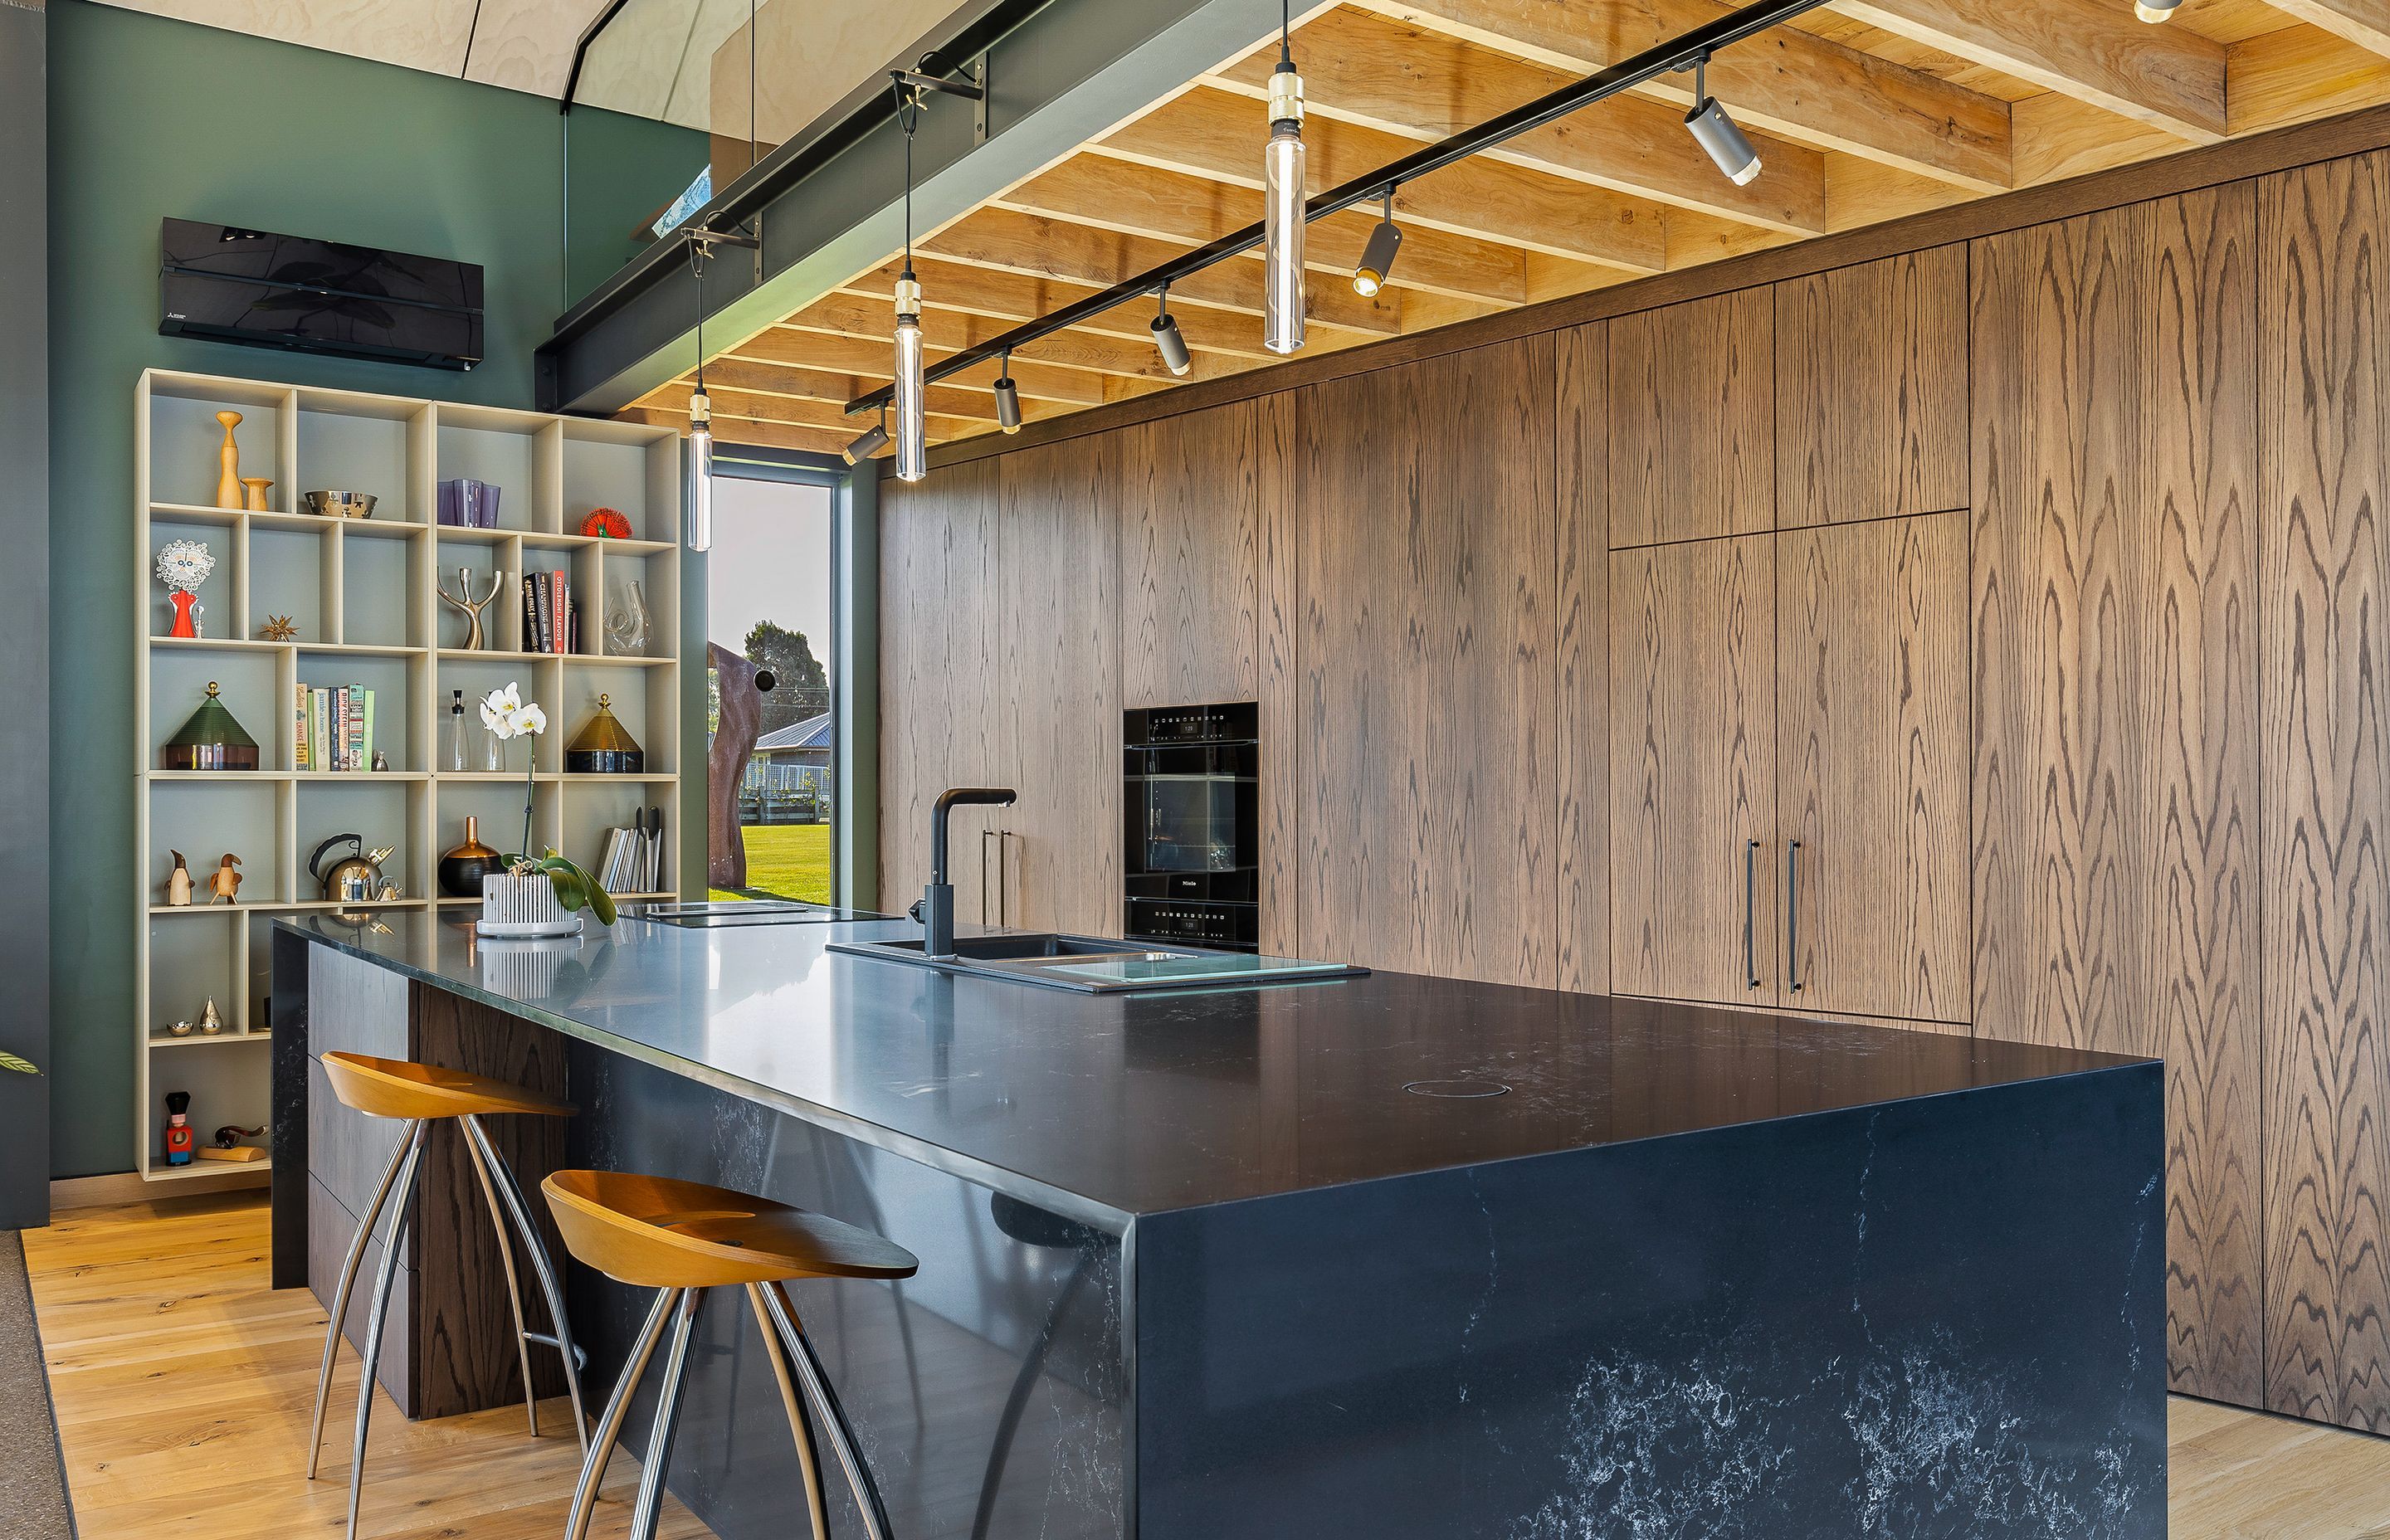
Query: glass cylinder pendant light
{"type": "Point", "coordinates": [700, 465]}
{"type": "Point", "coordinates": [1282, 190]}
{"type": "Point", "coordinates": [699, 535]}
{"type": "Point", "coordinates": [912, 430]}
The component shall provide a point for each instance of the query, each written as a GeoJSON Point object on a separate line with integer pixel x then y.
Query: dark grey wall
{"type": "Point", "coordinates": [24, 613]}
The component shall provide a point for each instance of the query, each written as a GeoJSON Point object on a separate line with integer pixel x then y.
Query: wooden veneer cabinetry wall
{"type": "Point", "coordinates": [2033, 583]}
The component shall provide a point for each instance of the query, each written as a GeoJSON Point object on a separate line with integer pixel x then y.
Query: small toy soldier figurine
{"type": "Point", "coordinates": [225, 883]}
{"type": "Point", "coordinates": [178, 1128]}
{"type": "Point", "coordinates": [178, 883]}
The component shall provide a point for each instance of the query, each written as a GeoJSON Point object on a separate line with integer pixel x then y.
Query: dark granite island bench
{"type": "Point", "coordinates": [1385, 1257]}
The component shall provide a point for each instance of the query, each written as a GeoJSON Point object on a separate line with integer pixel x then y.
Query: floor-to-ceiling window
{"type": "Point", "coordinates": [768, 719]}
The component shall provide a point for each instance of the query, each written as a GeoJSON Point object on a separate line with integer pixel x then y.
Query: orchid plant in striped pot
{"type": "Point", "coordinates": [538, 895]}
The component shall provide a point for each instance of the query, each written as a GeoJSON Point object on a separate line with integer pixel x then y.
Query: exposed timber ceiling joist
{"type": "Point", "coordinates": [1863, 112]}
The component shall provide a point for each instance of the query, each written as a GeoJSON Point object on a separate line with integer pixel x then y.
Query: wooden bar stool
{"type": "Point", "coordinates": [419, 1095]}
{"type": "Point", "coordinates": [681, 1239]}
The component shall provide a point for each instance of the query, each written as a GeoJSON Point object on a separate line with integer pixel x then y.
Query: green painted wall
{"type": "Point", "coordinates": [152, 118]}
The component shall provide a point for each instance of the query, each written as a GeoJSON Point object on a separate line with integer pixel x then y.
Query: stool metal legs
{"type": "Point", "coordinates": [402, 1154]}
{"type": "Point", "coordinates": [841, 1438]}
{"type": "Point", "coordinates": [366, 1369]}
{"type": "Point", "coordinates": [487, 1162]}
{"type": "Point", "coordinates": [397, 1186]}
{"type": "Point", "coordinates": [786, 1343]}
{"type": "Point", "coordinates": [609, 1422]}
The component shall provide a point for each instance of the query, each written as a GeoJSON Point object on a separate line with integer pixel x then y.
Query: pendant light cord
{"type": "Point", "coordinates": [697, 270]}
{"type": "Point", "coordinates": [1286, 35]}
{"type": "Point", "coordinates": [908, 118]}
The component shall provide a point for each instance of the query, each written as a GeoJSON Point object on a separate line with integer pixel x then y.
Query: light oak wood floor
{"type": "Point", "coordinates": [183, 1384]}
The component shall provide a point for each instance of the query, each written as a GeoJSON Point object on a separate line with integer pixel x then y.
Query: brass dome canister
{"type": "Point", "coordinates": [210, 739]}
{"type": "Point", "coordinates": [605, 747]}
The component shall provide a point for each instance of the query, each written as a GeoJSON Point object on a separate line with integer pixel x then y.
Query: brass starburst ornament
{"type": "Point", "coordinates": [278, 628]}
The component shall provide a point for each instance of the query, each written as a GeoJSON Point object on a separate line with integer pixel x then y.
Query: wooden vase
{"type": "Point", "coordinates": [228, 488]}
{"type": "Point", "coordinates": [257, 486]}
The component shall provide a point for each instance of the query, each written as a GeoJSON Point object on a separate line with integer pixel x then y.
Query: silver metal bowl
{"type": "Point", "coordinates": [341, 505]}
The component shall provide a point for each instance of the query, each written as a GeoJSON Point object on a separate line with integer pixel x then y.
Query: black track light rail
{"type": "Point", "coordinates": [1677, 54]}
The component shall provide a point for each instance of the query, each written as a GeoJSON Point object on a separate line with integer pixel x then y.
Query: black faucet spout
{"type": "Point", "coordinates": [938, 898]}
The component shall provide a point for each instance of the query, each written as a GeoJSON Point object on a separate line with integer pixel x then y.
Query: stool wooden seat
{"type": "Point", "coordinates": [661, 1233]}
{"type": "Point", "coordinates": [419, 1095]}
{"type": "Point", "coordinates": [681, 1239]}
{"type": "Point", "coordinates": [398, 1088]}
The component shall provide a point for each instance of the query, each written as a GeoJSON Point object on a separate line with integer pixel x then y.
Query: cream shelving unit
{"type": "Point", "coordinates": [361, 592]}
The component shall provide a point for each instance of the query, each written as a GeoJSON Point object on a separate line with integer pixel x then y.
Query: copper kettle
{"type": "Point", "coordinates": [354, 879]}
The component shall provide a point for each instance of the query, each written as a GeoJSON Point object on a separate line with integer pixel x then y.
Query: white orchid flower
{"type": "Point", "coordinates": [531, 719]}
{"type": "Point", "coordinates": [502, 712]}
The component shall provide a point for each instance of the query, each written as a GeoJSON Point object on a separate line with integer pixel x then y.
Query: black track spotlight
{"type": "Point", "coordinates": [1719, 133]}
{"type": "Point", "coordinates": [1008, 396]}
{"type": "Point", "coordinates": [1166, 337]}
{"type": "Point", "coordinates": [874, 438]}
{"type": "Point", "coordinates": [1377, 256]}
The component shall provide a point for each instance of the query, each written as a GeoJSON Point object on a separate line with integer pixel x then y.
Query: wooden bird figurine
{"type": "Point", "coordinates": [225, 883]}
{"type": "Point", "coordinates": [178, 883]}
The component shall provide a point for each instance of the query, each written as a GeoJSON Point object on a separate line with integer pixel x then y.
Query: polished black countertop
{"type": "Point", "coordinates": [1111, 1107]}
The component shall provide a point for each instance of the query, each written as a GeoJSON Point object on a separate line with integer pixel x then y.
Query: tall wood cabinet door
{"type": "Point", "coordinates": [2324, 414]}
{"type": "Point", "coordinates": [1872, 389]}
{"type": "Point", "coordinates": [1190, 573]}
{"type": "Point", "coordinates": [1692, 420]}
{"type": "Point", "coordinates": [940, 709]}
{"type": "Point", "coordinates": [2115, 606]}
{"type": "Point", "coordinates": [1426, 569]}
{"type": "Point", "coordinates": [1872, 766]}
{"type": "Point", "coordinates": [1694, 876]}
{"type": "Point", "coordinates": [1061, 688]}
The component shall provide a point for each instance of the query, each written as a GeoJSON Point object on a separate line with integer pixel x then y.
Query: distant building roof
{"type": "Point", "coordinates": [814, 732]}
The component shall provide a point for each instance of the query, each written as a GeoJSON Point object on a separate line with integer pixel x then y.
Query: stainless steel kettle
{"type": "Point", "coordinates": [355, 877]}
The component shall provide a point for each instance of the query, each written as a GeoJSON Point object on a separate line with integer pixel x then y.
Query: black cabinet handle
{"type": "Point", "coordinates": [1749, 897]}
{"type": "Point", "coordinates": [1793, 915]}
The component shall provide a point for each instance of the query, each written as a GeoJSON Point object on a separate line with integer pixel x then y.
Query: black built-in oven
{"type": "Point", "coordinates": [1191, 844]}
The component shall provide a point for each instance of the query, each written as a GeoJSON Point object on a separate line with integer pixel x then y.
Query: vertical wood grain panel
{"type": "Point", "coordinates": [1285, 734]}
{"type": "Point", "coordinates": [1872, 389]}
{"type": "Point", "coordinates": [2115, 772]}
{"type": "Point", "coordinates": [2060, 612]}
{"type": "Point", "coordinates": [1428, 560]}
{"type": "Point", "coordinates": [1061, 617]}
{"type": "Point", "coordinates": [1692, 420]}
{"type": "Point", "coordinates": [462, 1337]}
{"type": "Point", "coordinates": [1190, 578]}
{"type": "Point", "coordinates": [2199, 391]}
{"type": "Point", "coordinates": [1872, 766]}
{"type": "Point", "coordinates": [1582, 728]}
{"type": "Point", "coordinates": [1693, 770]}
{"type": "Point", "coordinates": [939, 705]}
{"type": "Point", "coordinates": [2325, 412]}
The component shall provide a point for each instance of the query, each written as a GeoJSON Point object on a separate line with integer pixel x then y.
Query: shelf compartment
{"type": "Point", "coordinates": [219, 597]}
{"type": "Point", "coordinates": [186, 441]}
{"type": "Point", "coordinates": [381, 810]}
{"type": "Point", "coordinates": [394, 680]}
{"type": "Point", "coordinates": [381, 593]}
{"type": "Point", "coordinates": [207, 819]}
{"type": "Point", "coordinates": [250, 682]}
{"type": "Point", "coordinates": [293, 572]}
{"type": "Point", "coordinates": [356, 445]}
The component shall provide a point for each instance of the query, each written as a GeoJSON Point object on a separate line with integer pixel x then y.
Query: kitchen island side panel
{"type": "Point", "coordinates": [1015, 1318]}
{"type": "Point", "coordinates": [1941, 1316]}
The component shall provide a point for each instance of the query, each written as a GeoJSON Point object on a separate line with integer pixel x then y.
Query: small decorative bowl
{"type": "Point", "coordinates": [341, 505]}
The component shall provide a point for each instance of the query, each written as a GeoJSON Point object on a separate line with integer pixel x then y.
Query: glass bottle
{"type": "Point", "coordinates": [628, 622]}
{"type": "Point", "coordinates": [453, 750]}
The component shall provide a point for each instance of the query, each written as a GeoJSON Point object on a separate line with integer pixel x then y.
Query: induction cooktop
{"type": "Point", "coordinates": [729, 914]}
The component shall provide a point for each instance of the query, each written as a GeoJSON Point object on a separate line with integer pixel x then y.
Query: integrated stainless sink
{"type": "Point", "coordinates": [1095, 966]}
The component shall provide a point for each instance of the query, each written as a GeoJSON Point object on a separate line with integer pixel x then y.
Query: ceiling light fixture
{"type": "Point", "coordinates": [2155, 10]}
{"type": "Point", "coordinates": [871, 441]}
{"type": "Point", "coordinates": [912, 425]}
{"type": "Point", "coordinates": [1719, 133]}
{"type": "Point", "coordinates": [1008, 396]}
{"type": "Point", "coordinates": [1677, 54]}
{"type": "Point", "coordinates": [1167, 336]}
{"type": "Point", "coordinates": [1377, 256]}
{"type": "Point", "coordinates": [1282, 184]}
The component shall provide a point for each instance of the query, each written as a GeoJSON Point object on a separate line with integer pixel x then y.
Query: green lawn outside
{"type": "Point", "coordinates": [785, 861]}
